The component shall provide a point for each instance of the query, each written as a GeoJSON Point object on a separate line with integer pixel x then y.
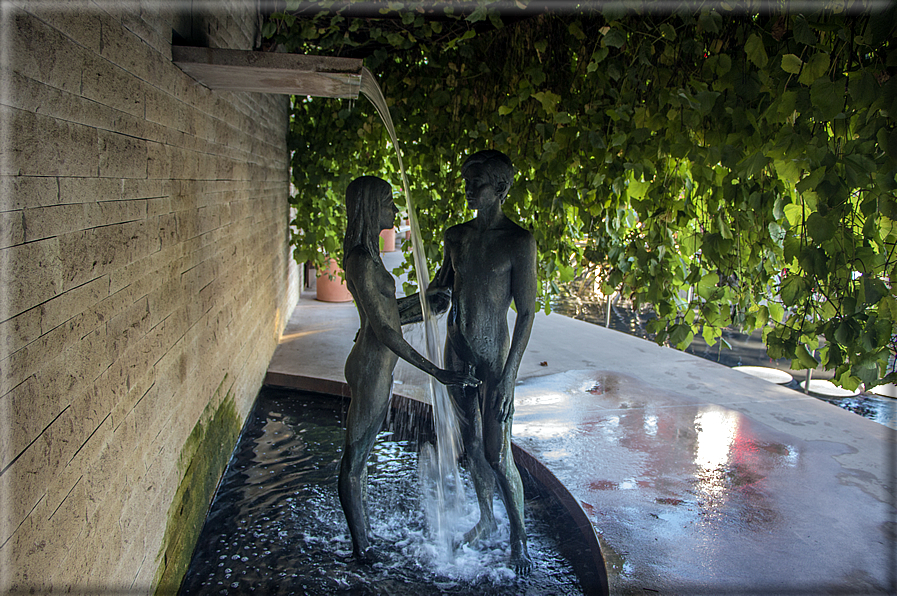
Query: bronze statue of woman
{"type": "Point", "coordinates": [378, 345]}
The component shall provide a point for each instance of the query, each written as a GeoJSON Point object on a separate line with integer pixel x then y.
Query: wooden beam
{"type": "Point", "coordinates": [268, 72]}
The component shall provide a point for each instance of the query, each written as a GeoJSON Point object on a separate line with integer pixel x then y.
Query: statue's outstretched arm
{"type": "Point", "coordinates": [381, 313]}
{"type": "Point", "coordinates": [439, 297]}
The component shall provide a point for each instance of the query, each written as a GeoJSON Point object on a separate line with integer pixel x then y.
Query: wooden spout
{"type": "Point", "coordinates": [268, 72]}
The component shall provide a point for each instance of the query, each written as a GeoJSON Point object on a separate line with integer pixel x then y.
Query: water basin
{"type": "Point", "coordinates": [276, 527]}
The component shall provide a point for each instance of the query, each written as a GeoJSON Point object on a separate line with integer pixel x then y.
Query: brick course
{"type": "Point", "coordinates": [146, 278]}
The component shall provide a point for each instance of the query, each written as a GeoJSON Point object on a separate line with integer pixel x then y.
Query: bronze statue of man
{"type": "Point", "coordinates": [378, 346]}
{"type": "Point", "coordinates": [490, 261]}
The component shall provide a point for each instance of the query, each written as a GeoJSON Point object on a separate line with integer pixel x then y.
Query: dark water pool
{"type": "Point", "coordinates": [276, 527]}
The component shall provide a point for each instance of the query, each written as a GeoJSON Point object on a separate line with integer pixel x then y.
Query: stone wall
{"type": "Point", "coordinates": [145, 283]}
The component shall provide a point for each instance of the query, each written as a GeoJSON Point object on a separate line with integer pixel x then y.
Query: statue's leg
{"type": "Point", "coordinates": [480, 473]}
{"type": "Point", "coordinates": [497, 446]}
{"type": "Point", "coordinates": [470, 419]}
{"type": "Point", "coordinates": [367, 411]}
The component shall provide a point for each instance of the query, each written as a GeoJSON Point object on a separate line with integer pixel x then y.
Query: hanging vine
{"type": "Point", "coordinates": [751, 158]}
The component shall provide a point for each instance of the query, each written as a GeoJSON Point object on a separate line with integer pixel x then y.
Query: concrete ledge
{"type": "Point", "coordinates": [301, 383]}
{"type": "Point", "coordinates": [269, 72]}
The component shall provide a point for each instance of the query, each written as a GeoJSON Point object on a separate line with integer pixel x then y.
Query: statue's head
{"type": "Point", "coordinates": [364, 211]}
{"type": "Point", "coordinates": [498, 167]}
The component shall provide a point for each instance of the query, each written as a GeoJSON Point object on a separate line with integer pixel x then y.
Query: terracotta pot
{"type": "Point", "coordinates": [331, 290]}
{"type": "Point", "coordinates": [389, 240]}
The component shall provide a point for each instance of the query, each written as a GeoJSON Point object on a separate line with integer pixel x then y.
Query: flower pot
{"type": "Point", "coordinates": [331, 290]}
{"type": "Point", "coordinates": [389, 240]}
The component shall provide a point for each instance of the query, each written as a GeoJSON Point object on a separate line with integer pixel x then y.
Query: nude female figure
{"type": "Point", "coordinates": [378, 346]}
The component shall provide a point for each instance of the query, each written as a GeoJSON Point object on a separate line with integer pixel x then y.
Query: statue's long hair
{"type": "Point", "coordinates": [363, 196]}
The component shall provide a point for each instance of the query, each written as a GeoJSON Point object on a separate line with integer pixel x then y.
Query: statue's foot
{"type": "Point", "coordinates": [520, 559]}
{"type": "Point", "coordinates": [479, 531]}
{"type": "Point", "coordinates": [367, 556]}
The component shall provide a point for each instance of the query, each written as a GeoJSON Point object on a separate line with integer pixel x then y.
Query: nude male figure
{"type": "Point", "coordinates": [490, 261]}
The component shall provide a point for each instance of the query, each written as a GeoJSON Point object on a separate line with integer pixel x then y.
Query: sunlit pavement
{"type": "Point", "coordinates": [698, 479]}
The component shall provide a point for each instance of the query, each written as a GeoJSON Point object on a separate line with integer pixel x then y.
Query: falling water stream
{"type": "Point", "coordinates": [444, 473]}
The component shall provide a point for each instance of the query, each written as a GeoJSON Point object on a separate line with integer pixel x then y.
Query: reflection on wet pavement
{"type": "Point", "coordinates": [671, 485]}
{"type": "Point", "coordinates": [740, 350]}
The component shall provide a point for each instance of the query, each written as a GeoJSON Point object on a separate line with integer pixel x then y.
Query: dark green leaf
{"type": "Point", "coordinates": [804, 357]}
{"type": "Point", "coordinates": [810, 182]}
{"type": "Point", "coordinates": [813, 261]}
{"type": "Point", "coordinates": [756, 53]}
{"type": "Point", "coordinates": [874, 289]}
{"type": "Point", "coordinates": [820, 228]}
{"type": "Point", "coordinates": [667, 31]}
{"type": "Point", "coordinates": [710, 21]}
{"type": "Point", "coordinates": [814, 68]}
{"type": "Point", "coordinates": [791, 63]}
{"type": "Point", "coordinates": [827, 98]}
{"type": "Point", "coordinates": [793, 290]}
{"type": "Point", "coordinates": [479, 14]}
{"type": "Point", "coordinates": [802, 32]}
{"type": "Point", "coordinates": [863, 88]}
{"type": "Point", "coordinates": [754, 164]}
{"type": "Point", "coordinates": [881, 28]}
{"type": "Point", "coordinates": [614, 39]}
{"type": "Point", "coordinates": [866, 372]}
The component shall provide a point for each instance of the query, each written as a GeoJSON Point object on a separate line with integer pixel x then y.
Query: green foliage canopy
{"type": "Point", "coordinates": [725, 168]}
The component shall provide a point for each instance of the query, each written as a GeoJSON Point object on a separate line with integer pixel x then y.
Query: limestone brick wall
{"type": "Point", "coordinates": [145, 282]}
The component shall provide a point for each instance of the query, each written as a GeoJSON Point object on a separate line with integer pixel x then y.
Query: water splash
{"type": "Point", "coordinates": [445, 475]}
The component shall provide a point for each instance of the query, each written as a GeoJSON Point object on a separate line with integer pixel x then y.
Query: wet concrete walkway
{"type": "Point", "coordinates": [697, 478]}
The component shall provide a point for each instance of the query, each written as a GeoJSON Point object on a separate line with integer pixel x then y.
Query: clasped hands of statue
{"type": "Point", "coordinates": [439, 301]}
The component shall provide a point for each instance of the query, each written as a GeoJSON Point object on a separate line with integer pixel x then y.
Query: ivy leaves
{"type": "Point", "coordinates": [746, 162]}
